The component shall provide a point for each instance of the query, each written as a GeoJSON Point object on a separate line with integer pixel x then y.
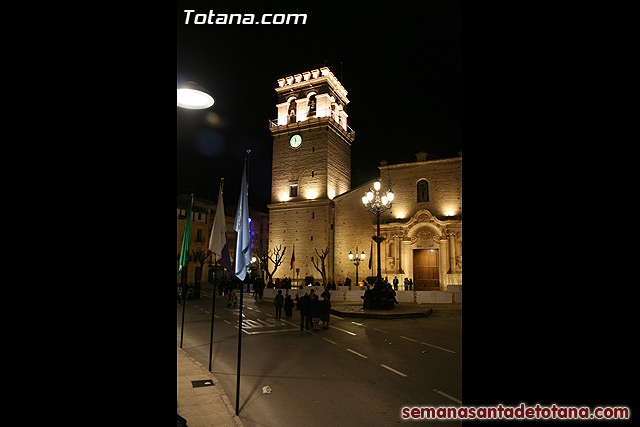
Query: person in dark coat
{"type": "Point", "coordinates": [326, 311]}
{"type": "Point", "coordinates": [368, 298]}
{"type": "Point", "coordinates": [304, 311]}
{"type": "Point", "coordinates": [316, 312]}
{"type": "Point", "coordinates": [288, 306]}
{"type": "Point", "coordinates": [279, 302]}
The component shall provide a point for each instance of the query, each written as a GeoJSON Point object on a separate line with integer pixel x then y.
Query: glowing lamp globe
{"type": "Point", "coordinates": [194, 97]}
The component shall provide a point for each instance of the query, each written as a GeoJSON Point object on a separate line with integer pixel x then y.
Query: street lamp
{"type": "Point", "coordinates": [356, 260]}
{"type": "Point", "coordinates": [377, 202]}
{"type": "Point", "coordinates": [193, 96]}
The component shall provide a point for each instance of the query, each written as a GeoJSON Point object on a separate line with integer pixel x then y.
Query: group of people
{"type": "Point", "coordinates": [280, 283]}
{"type": "Point", "coordinates": [286, 283]}
{"type": "Point", "coordinates": [312, 310]}
{"type": "Point", "coordinates": [285, 302]}
{"type": "Point", "coordinates": [381, 297]}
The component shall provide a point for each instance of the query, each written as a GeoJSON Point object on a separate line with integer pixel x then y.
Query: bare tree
{"type": "Point", "coordinates": [200, 257]}
{"type": "Point", "coordinates": [276, 257]}
{"type": "Point", "coordinates": [263, 258]}
{"type": "Point", "coordinates": [321, 269]}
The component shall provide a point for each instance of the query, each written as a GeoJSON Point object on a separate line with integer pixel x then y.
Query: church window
{"type": "Point", "coordinates": [423, 190]}
{"type": "Point", "coordinates": [293, 190]}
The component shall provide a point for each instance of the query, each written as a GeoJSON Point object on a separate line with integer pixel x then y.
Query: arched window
{"type": "Point", "coordinates": [423, 190]}
{"type": "Point", "coordinates": [292, 111]}
{"type": "Point", "coordinates": [312, 106]}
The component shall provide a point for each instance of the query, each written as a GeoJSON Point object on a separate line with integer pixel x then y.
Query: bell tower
{"type": "Point", "coordinates": [311, 166]}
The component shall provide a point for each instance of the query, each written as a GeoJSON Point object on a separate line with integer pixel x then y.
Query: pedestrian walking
{"type": "Point", "coordinates": [279, 302]}
{"type": "Point", "coordinates": [288, 307]}
{"type": "Point", "coordinates": [305, 301]}
{"type": "Point", "coordinates": [326, 312]}
{"type": "Point", "coordinates": [395, 283]}
{"type": "Point", "coordinates": [316, 312]}
{"type": "Point", "coordinates": [232, 299]}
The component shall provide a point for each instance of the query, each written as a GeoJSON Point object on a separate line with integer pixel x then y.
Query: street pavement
{"type": "Point", "coordinates": [359, 371]}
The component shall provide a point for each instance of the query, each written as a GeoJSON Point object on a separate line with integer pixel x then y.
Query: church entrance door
{"type": "Point", "coordinates": [426, 271]}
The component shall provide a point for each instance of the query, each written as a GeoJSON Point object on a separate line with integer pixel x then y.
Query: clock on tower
{"type": "Point", "coordinates": [295, 141]}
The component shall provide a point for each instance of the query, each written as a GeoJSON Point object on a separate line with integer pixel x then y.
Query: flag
{"type": "Point", "coordinates": [241, 226]}
{"type": "Point", "coordinates": [370, 255]}
{"type": "Point", "coordinates": [218, 240]}
{"type": "Point", "coordinates": [293, 256]}
{"type": "Point", "coordinates": [186, 239]}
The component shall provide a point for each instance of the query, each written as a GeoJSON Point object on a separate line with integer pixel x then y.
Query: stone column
{"type": "Point", "coordinates": [395, 256]}
{"type": "Point", "coordinates": [444, 263]}
{"type": "Point", "coordinates": [452, 251]}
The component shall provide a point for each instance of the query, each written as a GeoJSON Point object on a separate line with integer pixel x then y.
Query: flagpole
{"type": "Point", "coordinates": [184, 305]}
{"type": "Point", "coordinates": [213, 311]}
{"type": "Point", "coordinates": [241, 302]}
{"type": "Point", "coordinates": [213, 301]}
{"type": "Point", "coordinates": [187, 223]}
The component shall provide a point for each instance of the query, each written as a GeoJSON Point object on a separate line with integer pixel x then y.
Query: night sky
{"type": "Point", "coordinates": [402, 68]}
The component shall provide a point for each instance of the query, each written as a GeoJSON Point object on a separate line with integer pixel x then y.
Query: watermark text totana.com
{"type": "Point", "coordinates": [211, 18]}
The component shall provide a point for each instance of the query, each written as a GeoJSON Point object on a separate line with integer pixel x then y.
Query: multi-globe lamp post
{"type": "Point", "coordinates": [356, 260]}
{"type": "Point", "coordinates": [376, 201]}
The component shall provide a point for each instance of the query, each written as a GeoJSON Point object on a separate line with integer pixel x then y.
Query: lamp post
{"type": "Point", "coordinates": [195, 97]}
{"type": "Point", "coordinates": [356, 260]}
{"type": "Point", "coordinates": [377, 202]}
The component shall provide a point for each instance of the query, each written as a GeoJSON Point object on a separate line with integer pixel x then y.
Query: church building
{"type": "Point", "coordinates": [313, 207]}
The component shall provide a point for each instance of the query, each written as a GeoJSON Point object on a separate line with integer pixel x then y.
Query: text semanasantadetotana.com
{"type": "Point", "coordinates": [522, 412]}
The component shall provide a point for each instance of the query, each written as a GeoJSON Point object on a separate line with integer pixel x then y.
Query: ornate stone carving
{"type": "Point", "coordinates": [425, 234]}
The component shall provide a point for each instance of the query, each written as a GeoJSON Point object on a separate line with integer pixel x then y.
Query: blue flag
{"type": "Point", "coordinates": [241, 226]}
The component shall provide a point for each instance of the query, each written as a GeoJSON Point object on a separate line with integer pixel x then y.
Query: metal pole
{"type": "Point", "coordinates": [213, 311]}
{"type": "Point", "coordinates": [184, 305]}
{"type": "Point", "coordinates": [378, 240]}
{"type": "Point", "coordinates": [239, 349]}
{"type": "Point", "coordinates": [357, 264]}
{"type": "Point", "coordinates": [240, 316]}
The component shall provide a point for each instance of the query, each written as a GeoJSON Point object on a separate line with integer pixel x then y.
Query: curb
{"type": "Point", "coordinates": [218, 387]}
{"type": "Point", "coordinates": [391, 315]}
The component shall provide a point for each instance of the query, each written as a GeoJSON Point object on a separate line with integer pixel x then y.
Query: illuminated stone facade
{"type": "Point", "coordinates": [427, 224]}
{"type": "Point", "coordinates": [314, 208]}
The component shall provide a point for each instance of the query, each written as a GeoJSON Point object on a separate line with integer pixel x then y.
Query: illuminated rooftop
{"type": "Point", "coordinates": [317, 75]}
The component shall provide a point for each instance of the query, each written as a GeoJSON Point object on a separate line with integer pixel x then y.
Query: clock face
{"type": "Point", "coordinates": [295, 141]}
